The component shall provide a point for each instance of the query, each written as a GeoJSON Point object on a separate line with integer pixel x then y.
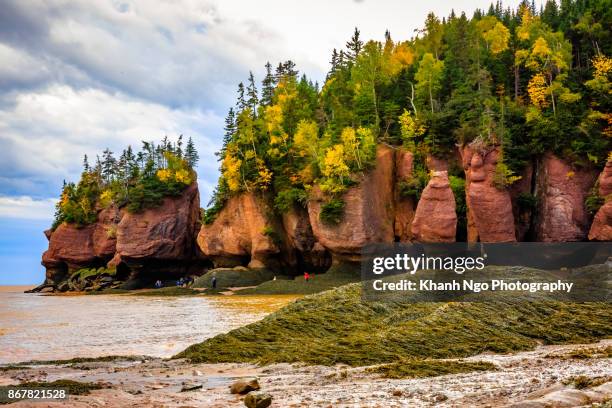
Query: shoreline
{"type": "Point", "coordinates": [541, 376]}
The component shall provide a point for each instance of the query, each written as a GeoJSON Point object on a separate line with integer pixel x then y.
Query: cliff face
{"type": "Point", "coordinates": [161, 242]}
{"type": "Point", "coordinates": [71, 247]}
{"type": "Point", "coordinates": [561, 191]}
{"type": "Point", "coordinates": [404, 206]}
{"type": "Point", "coordinates": [601, 229]}
{"type": "Point", "coordinates": [120, 240]}
{"type": "Point", "coordinates": [161, 233]}
{"type": "Point", "coordinates": [368, 212]}
{"type": "Point", "coordinates": [484, 199]}
{"type": "Point", "coordinates": [241, 231]}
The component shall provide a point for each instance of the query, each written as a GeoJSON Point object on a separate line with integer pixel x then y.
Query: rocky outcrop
{"type": "Point", "coordinates": [561, 191]}
{"type": "Point", "coordinates": [404, 206]}
{"type": "Point", "coordinates": [72, 247]}
{"type": "Point", "coordinates": [160, 239]}
{"type": "Point", "coordinates": [435, 219]}
{"type": "Point", "coordinates": [163, 233]}
{"type": "Point", "coordinates": [368, 212]}
{"type": "Point", "coordinates": [601, 229]}
{"type": "Point", "coordinates": [242, 232]}
{"type": "Point", "coordinates": [302, 250]}
{"type": "Point", "coordinates": [298, 230]}
{"type": "Point", "coordinates": [490, 217]}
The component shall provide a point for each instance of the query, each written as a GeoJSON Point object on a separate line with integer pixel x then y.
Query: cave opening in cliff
{"type": "Point", "coordinates": [144, 274]}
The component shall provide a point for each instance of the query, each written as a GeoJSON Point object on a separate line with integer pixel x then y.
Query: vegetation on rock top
{"type": "Point", "coordinates": [136, 180]}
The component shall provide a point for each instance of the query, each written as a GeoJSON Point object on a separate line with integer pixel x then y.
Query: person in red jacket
{"type": "Point", "coordinates": [306, 276]}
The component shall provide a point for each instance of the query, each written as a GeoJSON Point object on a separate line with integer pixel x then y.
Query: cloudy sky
{"type": "Point", "coordinates": [78, 76]}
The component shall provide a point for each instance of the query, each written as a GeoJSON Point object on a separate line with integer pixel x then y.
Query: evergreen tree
{"type": "Point", "coordinates": [267, 86]}
{"type": "Point", "coordinates": [85, 164]}
{"type": "Point", "coordinates": [230, 131]}
{"type": "Point", "coordinates": [108, 165]}
{"type": "Point", "coordinates": [178, 150]}
{"type": "Point", "coordinates": [354, 46]}
{"type": "Point", "coordinates": [253, 99]}
{"type": "Point", "coordinates": [241, 103]}
{"type": "Point", "coordinates": [289, 69]}
{"type": "Point", "coordinates": [191, 154]}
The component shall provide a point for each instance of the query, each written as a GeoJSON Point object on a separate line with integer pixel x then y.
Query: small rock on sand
{"type": "Point", "coordinates": [258, 400]}
{"type": "Point", "coordinates": [191, 387]}
{"type": "Point", "coordinates": [244, 386]}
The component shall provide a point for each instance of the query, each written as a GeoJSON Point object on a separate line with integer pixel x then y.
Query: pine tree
{"type": "Point", "coordinates": [253, 100]}
{"type": "Point", "coordinates": [279, 73]}
{"type": "Point", "coordinates": [109, 164]}
{"type": "Point", "coordinates": [354, 46]}
{"type": "Point", "coordinates": [191, 154]}
{"type": "Point", "coordinates": [289, 69]}
{"type": "Point", "coordinates": [267, 86]}
{"type": "Point", "coordinates": [85, 164]}
{"type": "Point", "coordinates": [179, 147]}
{"type": "Point", "coordinates": [333, 63]}
{"type": "Point", "coordinates": [241, 104]}
{"type": "Point", "coordinates": [230, 131]}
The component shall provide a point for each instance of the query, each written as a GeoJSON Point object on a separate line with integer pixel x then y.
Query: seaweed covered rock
{"type": "Point", "coordinates": [561, 191]}
{"type": "Point", "coordinates": [368, 212]}
{"type": "Point", "coordinates": [601, 229]}
{"type": "Point", "coordinates": [242, 232]}
{"type": "Point", "coordinates": [490, 216]}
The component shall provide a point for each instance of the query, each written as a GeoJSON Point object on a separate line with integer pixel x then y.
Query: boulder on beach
{"type": "Point", "coordinates": [244, 386]}
{"type": "Point", "coordinates": [258, 400]}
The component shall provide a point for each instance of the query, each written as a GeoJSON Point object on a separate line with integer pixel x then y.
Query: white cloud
{"type": "Point", "coordinates": [25, 207]}
{"type": "Point", "coordinates": [46, 133]}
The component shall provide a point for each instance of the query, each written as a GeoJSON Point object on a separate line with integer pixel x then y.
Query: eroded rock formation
{"type": "Point", "coordinates": [161, 238]}
{"type": "Point", "coordinates": [601, 229]}
{"type": "Point", "coordinates": [161, 233]}
{"type": "Point", "coordinates": [72, 247]}
{"type": "Point", "coordinates": [241, 232]}
{"type": "Point", "coordinates": [368, 212]}
{"type": "Point", "coordinates": [561, 192]}
{"type": "Point", "coordinates": [435, 219]}
{"type": "Point", "coordinates": [490, 217]}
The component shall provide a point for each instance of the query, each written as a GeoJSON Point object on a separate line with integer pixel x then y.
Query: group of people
{"type": "Point", "coordinates": [186, 282]}
{"type": "Point", "coordinates": [182, 282]}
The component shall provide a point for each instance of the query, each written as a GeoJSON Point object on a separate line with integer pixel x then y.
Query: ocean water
{"type": "Point", "coordinates": [42, 327]}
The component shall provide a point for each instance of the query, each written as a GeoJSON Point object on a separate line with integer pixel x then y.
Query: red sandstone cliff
{"type": "Point", "coordinates": [164, 233]}
{"type": "Point", "coordinates": [242, 230]}
{"type": "Point", "coordinates": [601, 229]}
{"type": "Point", "coordinates": [561, 192]}
{"type": "Point", "coordinates": [368, 212]}
{"type": "Point", "coordinates": [435, 219]}
{"type": "Point", "coordinates": [483, 199]}
{"type": "Point", "coordinates": [404, 206]}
